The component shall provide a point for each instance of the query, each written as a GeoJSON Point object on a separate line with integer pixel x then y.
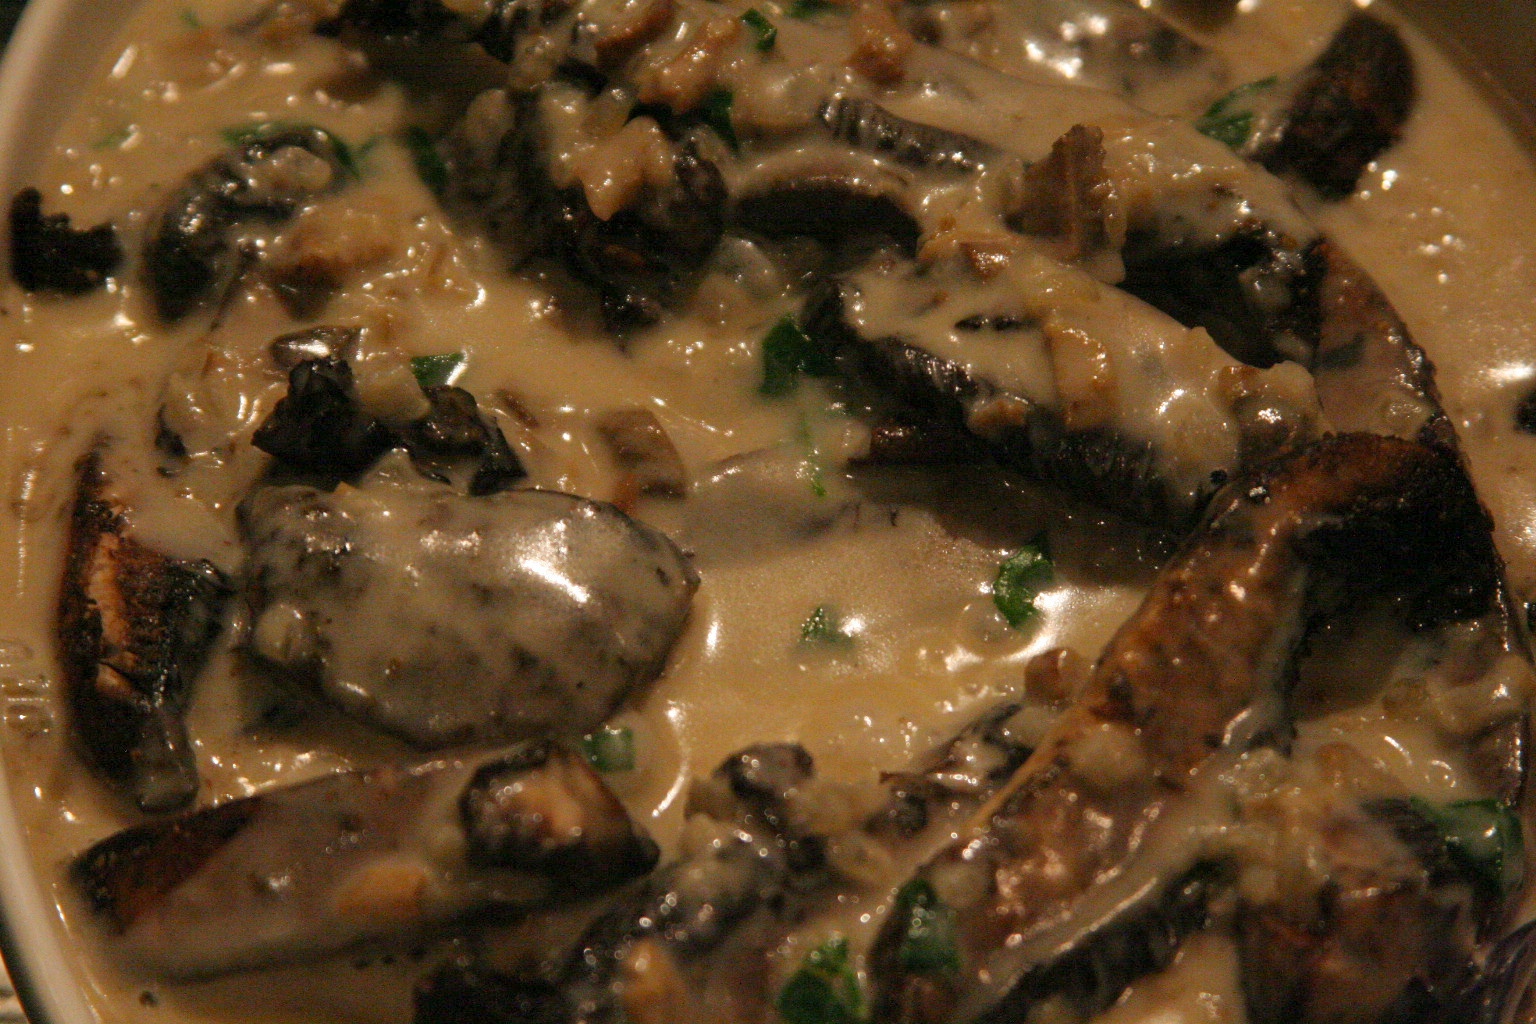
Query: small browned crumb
{"type": "Point", "coordinates": [1064, 194]}
{"type": "Point", "coordinates": [683, 81]}
{"type": "Point", "coordinates": [881, 45]}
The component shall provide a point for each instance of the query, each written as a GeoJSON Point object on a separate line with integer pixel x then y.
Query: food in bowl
{"type": "Point", "coordinates": [672, 511]}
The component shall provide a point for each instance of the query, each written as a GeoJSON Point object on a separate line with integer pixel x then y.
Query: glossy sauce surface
{"type": "Point", "coordinates": [779, 532]}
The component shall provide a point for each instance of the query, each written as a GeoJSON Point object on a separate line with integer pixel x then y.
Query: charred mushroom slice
{"type": "Point", "coordinates": [465, 992]}
{"type": "Point", "coordinates": [498, 26]}
{"type": "Point", "coordinates": [49, 255]}
{"type": "Point", "coordinates": [651, 956]}
{"type": "Point", "coordinates": [1255, 291]}
{"type": "Point", "coordinates": [191, 254]}
{"type": "Point", "coordinates": [983, 756]}
{"type": "Point", "coordinates": [312, 869]}
{"type": "Point", "coordinates": [1090, 825]}
{"type": "Point", "coordinates": [1346, 109]}
{"type": "Point", "coordinates": [507, 615]}
{"type": "Point", "coordinates": [134, 628]}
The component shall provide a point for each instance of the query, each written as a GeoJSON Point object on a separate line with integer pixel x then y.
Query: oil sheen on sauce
{"type": "Point", "coordinates": [1442, 222]}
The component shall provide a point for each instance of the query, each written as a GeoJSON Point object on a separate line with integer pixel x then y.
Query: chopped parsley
{"type": "Point", "coordinates": [1230, 119]}
{"type": "Point", "coordinates": [437, 370]}
{"type": "Point", "coordinates": [715, 111]}
{"type": "Point", "coordinates": [429, 164]}
{"type": "Point", "coordinates": [765, 31]}
{"type": "Point", "coordinates": [1483, 837]}
{"type": "Point", "coordinates": [825, 990]}
{"type": "Point", "coordinates": [789, 352]}
{"type": "Point", "coordinates": [1020, 578]}
{"type": "Point", "coordinates": [824, 627]}
{"type": "Point", "coordinates": [928, 943]}
{"type": "Point", "coordinates": [610, 749]}
{"type": "Point", "coordinates": [810, 8]}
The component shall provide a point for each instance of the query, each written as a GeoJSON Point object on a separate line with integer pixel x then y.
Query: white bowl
{"type": "Point", "coordinates": [53, 57]}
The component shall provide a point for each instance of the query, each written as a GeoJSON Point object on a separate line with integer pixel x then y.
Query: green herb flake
{"type": "Point", "coordinates": [810, 8]}
{"type": "Point", "coordinates": [189, 18]}
{"type": "Point", "coordinates": [1019, 581]}
{"type": "Point", "coordinates": [437, 370]}
{"type": "Point", "coordinates": [928, 943]}
{"type": "Point", "coordinates": [825, 990]}
{"type": "Point", "coordinates": [239, 135]}
{"type": "Point", "coordinates": [610, 750]}
{"type": "Point", "coordinates": [1484, 838]}
{"type": "Point", "coordinates": [789, 352]}
{"type": "Point", "coordinates": [715, 111]}
{"type": "Point", "coordinates": [811, 471]}
{"type": "Point", "coordinates": [1230, 119]}
{"type": "Point", "coordinates": [766, 32]}
{"type": "Point", "coordinates": [430, 167]}
{"type": "Point", "coordinates": [824, 627]}
{"type": "Point", "coordinates": [114, 139]}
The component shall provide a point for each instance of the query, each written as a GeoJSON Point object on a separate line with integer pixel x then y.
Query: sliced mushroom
{"type": "Point", "coordinates": [1072, 394]}
{"type": "Point", "coordinates": [864, 124]}
{"type": "Point", "coordinates": [1316, 956]}
{"type": "Point", "coordinates": [456, 439]}
{"type": "Point", "coordinates": [842, 203]}
{"type": "Point", "coordinates": [134, 628]}
{"type": "Point", "coordinates": [1344, 111]}
{"type": "Point", "coordinates": [638, 259]}
{"type": "Point", "coordinates": [444, 618]}
{"type": "Point", "coordinates": [191, 253]}
{"type": "Point", "coordinates": [1091, 824]}
{"type": "Point", "coordinates": [312, 869]}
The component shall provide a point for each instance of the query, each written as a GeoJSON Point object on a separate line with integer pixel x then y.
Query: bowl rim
{"type": "Point", "coordinates": [38, 952]}
{"type": "Point", "coordinates": [38, 955]}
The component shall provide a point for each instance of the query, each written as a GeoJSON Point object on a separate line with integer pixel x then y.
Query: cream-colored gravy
{"type": "Point", "coordinates": [1442, 222]}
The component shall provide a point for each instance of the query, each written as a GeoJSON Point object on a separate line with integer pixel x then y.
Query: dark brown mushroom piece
{"type": "Point", "coordinates": [638, 261]}
{"type": "Point", "coordinates": [1347, 109]}
{"type": "Point", "coordinates": [47, 254]}
{"type": "Point", "coordinates": [865, 125]}
{"type": "Point", "coordinates": [191, 253]}
{"type": "Point", "coordinates": [841, 211]}
{"type": "Point", "coordinates": [325, 342]}
{"type": "Point", "coordinates": [308, 870]}
{"type": "Point", "coordinates": [1098, 463]}
{"type": "Point", "coordinates": [1064, 195]}
{"type": "Point", "coordinates": [456, 440]}
{"type": "Point", "coordinates": [134, 629]}
{"type": "Point", "coordinates": [1077, 840]}
{"type": "Point", "coordinates": [320, 427]}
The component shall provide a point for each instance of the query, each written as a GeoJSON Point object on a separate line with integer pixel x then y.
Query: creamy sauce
{"type": "Point", "coordinates": [902, 562]}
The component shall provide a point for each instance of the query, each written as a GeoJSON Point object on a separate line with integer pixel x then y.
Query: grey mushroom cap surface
{"type": "Point", "coordinates": [310, 869]}
{"type": "Point", "coordinates": [444, 618]}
